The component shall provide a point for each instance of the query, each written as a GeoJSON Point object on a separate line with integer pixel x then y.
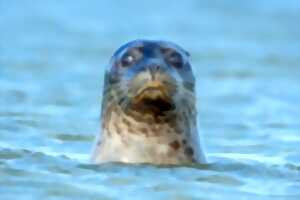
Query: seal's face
{"type": "Point", "coordinates": [149, 75]}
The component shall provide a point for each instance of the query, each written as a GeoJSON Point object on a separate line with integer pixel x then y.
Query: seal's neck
{"type": "Point", "coordinates": [128, 122]}
{"type": "Point", "coordinates": [135, 137]}
{"type": "Point", "coordinates": [131, 137]}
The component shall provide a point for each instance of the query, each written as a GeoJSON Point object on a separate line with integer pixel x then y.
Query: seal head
{"type": "Point", "coordinates": [148, 109]}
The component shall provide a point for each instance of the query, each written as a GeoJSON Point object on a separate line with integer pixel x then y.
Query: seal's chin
{"type": "Point", "coordinates": [153, 100]}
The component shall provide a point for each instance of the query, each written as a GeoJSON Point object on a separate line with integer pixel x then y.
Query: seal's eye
{"type": "Point", "coordinates": [131, 57]}
{"type": "Point", "coordinates": [174, 59]}
{"type": "Point", "coordinates": [127, 59]}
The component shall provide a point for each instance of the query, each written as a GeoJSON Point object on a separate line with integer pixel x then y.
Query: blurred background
{"type": "Point", "coordinates": [246, 58]}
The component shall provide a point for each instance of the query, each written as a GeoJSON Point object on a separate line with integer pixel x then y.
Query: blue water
{"type": "Point", "coordinates": [246, 57]}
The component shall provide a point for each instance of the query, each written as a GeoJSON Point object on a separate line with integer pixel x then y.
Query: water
{"type": "Point", "coordinates": [246, 59]}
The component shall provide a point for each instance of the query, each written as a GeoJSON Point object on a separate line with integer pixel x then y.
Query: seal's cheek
{"type": "Point", "coordinates": [186, 73]}
{"type": "Point", "coordinates": [188, 86]}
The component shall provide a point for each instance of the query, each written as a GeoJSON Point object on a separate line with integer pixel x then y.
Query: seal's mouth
{"type": "Point", "coordinates": [153, 98]}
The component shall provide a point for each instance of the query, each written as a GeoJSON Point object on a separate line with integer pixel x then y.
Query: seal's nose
{"type": "Point", "coordinates": [154, 69]}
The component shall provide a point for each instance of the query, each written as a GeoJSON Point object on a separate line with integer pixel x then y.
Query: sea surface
{"type": "Point", "coordinates": [246, 58]}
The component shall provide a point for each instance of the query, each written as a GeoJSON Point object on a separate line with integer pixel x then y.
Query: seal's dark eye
{"type": "Point", "coordinates": [175, 59]}
{"type": "Point", "coordinates": [127, 59]}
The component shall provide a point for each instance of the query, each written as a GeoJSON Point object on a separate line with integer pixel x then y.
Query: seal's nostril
{"type": "Point", "coordinates": [154, 67]}
{"type": "Point", "coordinates": [157, 67]}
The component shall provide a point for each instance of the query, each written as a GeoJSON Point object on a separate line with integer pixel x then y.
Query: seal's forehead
{"type": "Point", "coordinates": [150, 45]}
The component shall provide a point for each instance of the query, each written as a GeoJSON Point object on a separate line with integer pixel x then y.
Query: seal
{"type": "Point", "coordinates": [149, 107]}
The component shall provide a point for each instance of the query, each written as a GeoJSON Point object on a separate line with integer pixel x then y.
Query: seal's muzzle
{"type": "Point", "coordinates": [154, 97]}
